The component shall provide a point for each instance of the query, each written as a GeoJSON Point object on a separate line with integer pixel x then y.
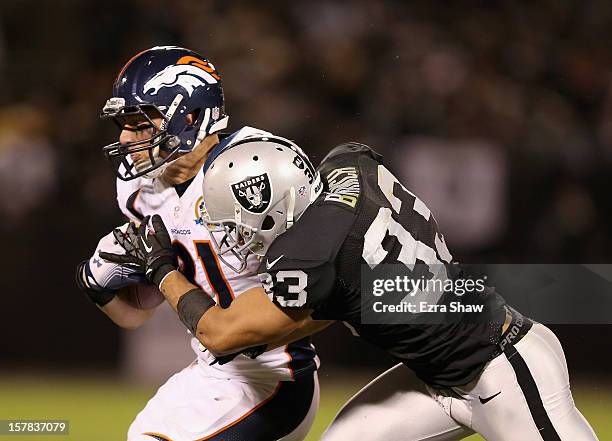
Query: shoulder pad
{"type": "Point", "coordinates": [315, 238]}
{"type": "Point", "coordinates": [343, 172]}
{"type": "Point", "coordinates": [352, 148]}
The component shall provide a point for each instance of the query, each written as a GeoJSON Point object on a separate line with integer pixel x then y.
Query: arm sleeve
{"type": "Point", "coordinates": [299, 285]}
{"type": "Point", "coordinates": [299, 268]}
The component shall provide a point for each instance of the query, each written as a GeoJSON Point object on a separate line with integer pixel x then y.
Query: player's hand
{"type": "Point", "coordinates": [187, 166]}
{"type": "Point", "coordinates": [149, 250]}
{"type": "Point", "coordinates": [101, 279]}
{"type": "Point", "coordinates": [127, 239]}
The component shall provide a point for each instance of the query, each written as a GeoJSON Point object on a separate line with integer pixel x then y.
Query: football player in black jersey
{"type": "Point", "coordinates": [503, 375]}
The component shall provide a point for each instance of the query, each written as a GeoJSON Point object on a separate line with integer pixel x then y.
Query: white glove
{"type": "Point", "coordinates": [107, 275]}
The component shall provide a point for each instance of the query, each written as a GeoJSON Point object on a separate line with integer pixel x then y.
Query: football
{"type": "Point", "coordinates": [141, 296]}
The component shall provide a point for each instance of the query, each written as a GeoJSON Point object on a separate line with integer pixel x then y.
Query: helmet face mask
{"type": "Point", "coordinates": [170, 83]}
{"type": "Point", "coordinates": [152, 165]}
{"type": "Point", "coordinates": [253, 191]}
{"type": "Point", "coordinates": [235, 240]}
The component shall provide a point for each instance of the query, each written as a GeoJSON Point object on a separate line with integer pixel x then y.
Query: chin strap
{"type": "Point", "coordinates": [170, 113]}
{"type": "Point", "coordinates": [290, 207]}
{"type": "Point", "coordinates": [202, 131]}
{"type": "Point", "coordinates": [215, 127]}
{"type": "Point", "coordinates": [168, 117]}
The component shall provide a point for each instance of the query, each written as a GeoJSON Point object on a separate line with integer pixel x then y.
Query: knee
{"type": "Point", "coordinates": [141, 437]}
{"type": "Point", "coordinates": [343, 428]}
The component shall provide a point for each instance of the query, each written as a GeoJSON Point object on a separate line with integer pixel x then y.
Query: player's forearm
{"type": "Point", "coordinates": [307, 328]}
{"type": "Point", "coordinates": [235, 341]}
{"type": "Point", "coordinates": [124, 315]}
{"type": "Point", "coordinates": [174, 286]}
{"type": "Point", "coordinates": [210, 330]}
{"type": "Point", "coordinates": [251, 320]}
{"type": "Point", "coordinates": [222, 332]}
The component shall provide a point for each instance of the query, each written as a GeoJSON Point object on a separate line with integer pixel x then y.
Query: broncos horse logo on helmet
{"type": "Point", "coordinates": [168, 82]}
{"type": "Point", "coordinates": [188, 72]}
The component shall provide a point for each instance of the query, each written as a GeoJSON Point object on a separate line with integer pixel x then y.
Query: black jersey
{"type": "Point", "coordinates": [366, 218]}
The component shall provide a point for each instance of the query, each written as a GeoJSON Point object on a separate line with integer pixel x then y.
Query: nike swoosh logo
{"type": "Point", "coordinates": [148, 249]}
{"type": "Point", "coordinates": [271, 264]}
{"type": "Point", "coordinates": [146, 235]}
{"type": "Point", "coordinates": [486, 400]}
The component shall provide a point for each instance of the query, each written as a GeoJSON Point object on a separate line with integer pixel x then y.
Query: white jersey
{"type": "Point", "coordinates": [182, 216]}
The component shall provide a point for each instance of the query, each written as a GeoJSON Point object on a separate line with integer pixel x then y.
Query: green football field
{"type": "Point", "coordinates": [101, 410]}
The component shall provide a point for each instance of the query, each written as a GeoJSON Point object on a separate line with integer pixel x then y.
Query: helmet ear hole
{"type": "Point", "coordinates": [268, 223]}
{"type": "Point", "coordinates": [191, 118]}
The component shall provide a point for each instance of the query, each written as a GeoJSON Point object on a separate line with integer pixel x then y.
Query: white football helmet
{"type": "Point", "coordinates": [253, 191]}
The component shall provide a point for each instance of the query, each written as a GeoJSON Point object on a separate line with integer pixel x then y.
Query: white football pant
{"type": "Point", "coordinates": [521, 395]}
{"type": "Point", "coordinates": [193, 406]}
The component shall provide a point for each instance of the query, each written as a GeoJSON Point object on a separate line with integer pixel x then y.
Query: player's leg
{"type": "Point", "coordinates": [300, 432]}
{"type": "Point", "coordinates": [396, 406]}
{"type": "Point", "coordinates": [525, 394]}
{"type": "Point", "coordinates": [286, 415]}
{"type": "Point", "coordinates": [192, 405]}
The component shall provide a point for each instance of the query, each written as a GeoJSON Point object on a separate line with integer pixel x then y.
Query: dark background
{"type": "Point", "coordinates": [523, 91]}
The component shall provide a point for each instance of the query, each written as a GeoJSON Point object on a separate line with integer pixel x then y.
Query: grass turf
{"type": "Point", "coordinates": [101, 410]}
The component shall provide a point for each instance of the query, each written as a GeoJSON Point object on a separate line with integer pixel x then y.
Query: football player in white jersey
{"type": "Point", "coordinates": [169, 105]}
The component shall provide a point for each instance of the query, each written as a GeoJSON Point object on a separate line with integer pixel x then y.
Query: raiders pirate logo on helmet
{"type": "Point", "coordinates": [253, 193]}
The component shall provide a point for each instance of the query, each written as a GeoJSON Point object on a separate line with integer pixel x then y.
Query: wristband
{"type": "Point", "coordinates": [192, 306]}
{"type": "Point", "coordinates": [100, 296]}
{"type": "Point", "coordinates": [158, 274]}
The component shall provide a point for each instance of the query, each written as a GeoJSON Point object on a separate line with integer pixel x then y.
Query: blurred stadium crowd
{"type": "Point", "coordinates": [498, 114]}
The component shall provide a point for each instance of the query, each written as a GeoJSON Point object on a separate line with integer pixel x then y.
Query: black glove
{"type": "Point", "coordinates": [100, 296]}
{"type": "Point", "coordinates": [150, 252]}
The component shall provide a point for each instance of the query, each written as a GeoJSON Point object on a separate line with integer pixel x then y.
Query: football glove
{"type": "Point", "coordinates": [146, 250]}
{"type": "Point", "coordinates": [100, 279]}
